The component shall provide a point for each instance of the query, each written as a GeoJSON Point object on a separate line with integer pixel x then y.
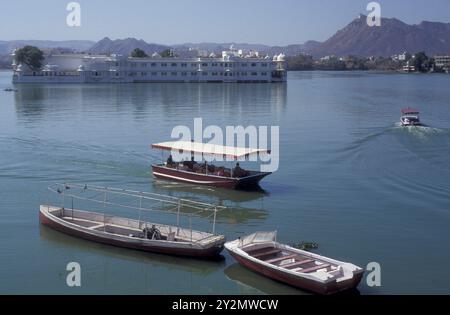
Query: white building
{"type": "Point", "coordinates": [442, 61]}
{"type": "Point", "coordinates": [232, 66]}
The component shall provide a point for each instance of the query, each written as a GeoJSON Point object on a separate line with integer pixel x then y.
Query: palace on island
{"type": "Point", "coordinates": [233, 66]}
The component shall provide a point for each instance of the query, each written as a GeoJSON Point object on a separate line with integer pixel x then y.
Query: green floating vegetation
{"type": "Point", "coordinates": [306, 245]}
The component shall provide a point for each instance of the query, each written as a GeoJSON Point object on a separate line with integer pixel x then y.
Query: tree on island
{"type": "Point", "coordinates": [31, 56]}
{"type": "Point", "coordinates": [167, 53]}
{"type": "Point", "coordinates": [138, 53]}
{"type": "Point", "coordinates": [421, 62]}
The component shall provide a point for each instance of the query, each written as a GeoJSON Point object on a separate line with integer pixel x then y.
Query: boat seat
{"type": "Point", "coordinates": [257, 250]}
{"type": "Point", "coordinates": [308, 270]}
{"type": "Point", "coordinates": [271, 252]}
{"type": "Point", "coordinates": [297, 263]}
{"type": "Point", "coordinates": [171, 236]}
{"type": "Point", "coordinates": [271, 261]}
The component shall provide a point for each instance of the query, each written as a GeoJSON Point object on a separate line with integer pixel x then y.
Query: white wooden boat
{"type": "Point", "coordinates": [305, 270]}
{"type": "Point", "coordinates": [131, 233]}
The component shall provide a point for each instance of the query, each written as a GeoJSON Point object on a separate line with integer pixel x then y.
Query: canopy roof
{"type": "Point", "coordinates": [410, 111]}
{"type": "Point", "coordinates": [208, 148]}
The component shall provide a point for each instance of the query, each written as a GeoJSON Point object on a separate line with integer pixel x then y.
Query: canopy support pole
{"type": "Point", "coordinates": [140, 212]}
{"type": "Point", "coordinates": [214, 222]}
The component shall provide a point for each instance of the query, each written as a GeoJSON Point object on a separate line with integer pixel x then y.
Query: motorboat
{"type": "Point", "coordinates": [193, 172]}
{"type": "Point", "coordinates": [410, 117]}
{"type": "Point", "coordinates": [261, 253]}
{"type": "Point", "coordinates": [138, 233]}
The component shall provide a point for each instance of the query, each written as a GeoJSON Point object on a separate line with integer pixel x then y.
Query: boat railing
{"type": "Point", "coordinates": [167, 204]}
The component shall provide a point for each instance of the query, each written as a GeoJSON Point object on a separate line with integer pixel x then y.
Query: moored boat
{"type": "Point", "coordinates": [261, 253]}
{"type": "Point", "coordinates": [130, 233]}
{"type": "Point", "coordinates": [193, 172]}
{"type": "Point", "coordinates": [410, 117]}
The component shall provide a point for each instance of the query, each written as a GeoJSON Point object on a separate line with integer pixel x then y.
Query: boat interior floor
{"type": "Point", "coordinates": [290, 260]}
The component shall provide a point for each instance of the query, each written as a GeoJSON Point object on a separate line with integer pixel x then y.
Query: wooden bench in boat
{"type": "Point", "coordinates": [308, 270]}
{"type": "Point", "coordinates": [274, 260]}
{"type": "Point", "coordinates": [251, 252]}
{"type": "Point", "coordinates": [297, 263]}
{"type": "Point", "coordinates": [271, 252]}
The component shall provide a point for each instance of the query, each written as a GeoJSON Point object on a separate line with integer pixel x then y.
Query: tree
{"type": "Point", "coordinates": [167, 53]}
{"type": "Point", "coordinates": [138, 53]}
{"type": "Point", "coordinates": [31, 56]}
{"type": "Point", "coordinates": [421, 62]}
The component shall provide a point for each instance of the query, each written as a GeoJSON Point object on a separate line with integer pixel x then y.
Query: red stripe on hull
{"type": "Point", "coordinates": [193, 252]}
{"type": "Point", "coordinates": [304, 284]}
{"type": "Point", "coordinates": [194, 178]}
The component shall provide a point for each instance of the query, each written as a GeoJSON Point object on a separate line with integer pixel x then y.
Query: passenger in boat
{"type": "Point", "coordinates": [170, 162]}
{"type": "Point", "coordinates": [238, 171]}
{"type": "Point", "coordinates": [152, 233]}
{"type": "Point", "coordinates": [191, 165]}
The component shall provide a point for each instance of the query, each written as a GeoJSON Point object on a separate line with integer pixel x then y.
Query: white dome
{"type": "Point", "coordinates": [281, 57]}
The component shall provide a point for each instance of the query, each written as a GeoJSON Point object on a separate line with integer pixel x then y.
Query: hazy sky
{"type": "Point", "coordinates": [276, 22]}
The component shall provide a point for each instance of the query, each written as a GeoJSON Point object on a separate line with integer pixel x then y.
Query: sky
{"type": "Point", "coordinates": [274, 22]}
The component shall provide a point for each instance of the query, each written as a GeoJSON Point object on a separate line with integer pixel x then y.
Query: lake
{"type": "Point", "coordinates": [349, 179]}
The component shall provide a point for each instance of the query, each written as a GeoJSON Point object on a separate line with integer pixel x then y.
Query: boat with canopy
{"type": "Point", "coordinates": [138, 233]}
{"type": "Point", "coordinates": [261, 253]}
{"type": "Point", "coordinates": [410, 117]}
{"type": "Point", "coordinates": [193, 172]}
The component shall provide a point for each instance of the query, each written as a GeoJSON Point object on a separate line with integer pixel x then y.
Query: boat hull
{"type": "Point", "coordinates": [47, 220]}
{"type": "Point", "coordinates": [301, 283]}
{"type": "Point", "coordinates": [248, 182]}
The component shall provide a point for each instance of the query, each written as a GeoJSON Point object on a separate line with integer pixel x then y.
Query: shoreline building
{"type": "Point", "coordinates": [442, 62]}
{"type": "Point", "coordinates": [233, 66]}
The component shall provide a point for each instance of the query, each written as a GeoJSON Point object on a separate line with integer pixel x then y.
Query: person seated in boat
{"type": "Point", "coordinates": [238, 171]}
{"type": "Point", "coordinates": [211, 168]}
{"type": "Point", "coordinates": [191, 164]}
{"type": "Point", "coordinates": [170, 162]}
{"type": "Point", "coordinates": [202, 168]}
{"type": "Point", "coordinates": [152, 233]}
{"type": "Point", "coordinates": [220, 171]}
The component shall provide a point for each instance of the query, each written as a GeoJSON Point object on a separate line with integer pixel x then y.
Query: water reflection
{"type": "Point", "coordinates": [195, 266]}
{"type": "Point", "coordinates": [247, 279]}
{"type": "Point", "coordinates": [238, 211]}
{"type": "Point", "coordinates": [141, 100]}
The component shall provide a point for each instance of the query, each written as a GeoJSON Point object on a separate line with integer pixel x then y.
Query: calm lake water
{"type": "Point", "coordinates": [349, 179]}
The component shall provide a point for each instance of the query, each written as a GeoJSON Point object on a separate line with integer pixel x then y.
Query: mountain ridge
{"type": "Point", "coordinates": [356, 38]}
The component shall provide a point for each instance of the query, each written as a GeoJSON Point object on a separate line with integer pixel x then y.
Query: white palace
{"type": "Point", "coordinates": [232, 66]}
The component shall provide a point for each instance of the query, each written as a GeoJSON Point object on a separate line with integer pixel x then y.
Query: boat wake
{"type": "Point", "coordinates": [410, 160]}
